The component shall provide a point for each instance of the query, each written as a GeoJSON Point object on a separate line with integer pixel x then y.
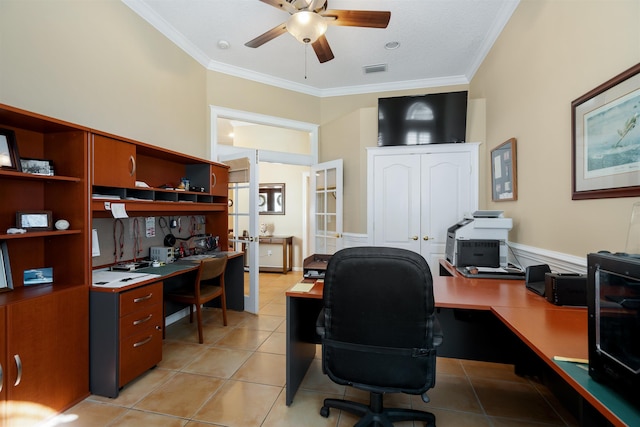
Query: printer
{"type": "Point", "coordinates": [479, 241]}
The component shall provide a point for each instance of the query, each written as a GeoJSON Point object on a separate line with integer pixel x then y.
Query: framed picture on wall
{"type": "Point", "coordinates": [606, 139]}
{"type": "Point", "coordinates": [504, 185]}
{"type": "Point", "coordinates": [6, 281]}
{"type": "Point", "coordinates": [9, 158]}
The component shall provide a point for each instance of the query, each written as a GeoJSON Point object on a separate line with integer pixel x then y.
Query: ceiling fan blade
{"type": "Point", "coordinates": [281, 4]}
{"type": "Point", "coordinates": [268, 36]}
{"type": "Point", "coordinates": [357, 18]}
{"type": "Point", "coordinates": [322, 49]}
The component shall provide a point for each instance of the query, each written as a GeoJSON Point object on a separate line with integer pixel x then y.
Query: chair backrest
{"type": "Point", "coordinates": [379, 315]}
{"type": "Point", "coordinates": [210, 268]}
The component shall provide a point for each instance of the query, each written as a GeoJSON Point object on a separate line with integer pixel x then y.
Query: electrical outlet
{"type": "Point", "coordinates": [269, 253]}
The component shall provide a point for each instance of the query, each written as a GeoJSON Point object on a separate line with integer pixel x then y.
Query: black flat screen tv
{"type": "Point", "coordinates": [436, 118]}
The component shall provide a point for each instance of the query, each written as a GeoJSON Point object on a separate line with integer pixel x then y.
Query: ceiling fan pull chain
{"type": "Point", "coordinates": [306, 48]}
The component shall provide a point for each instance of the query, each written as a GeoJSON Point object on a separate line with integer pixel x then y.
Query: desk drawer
{"type": "Point", "coordinates": [141, 320]}
{"type": "Point", "coordinates": [140, 298]}
{"type": "Point", "coordinates": [139, 353]}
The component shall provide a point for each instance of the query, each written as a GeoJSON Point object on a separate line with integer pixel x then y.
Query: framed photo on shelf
{"type": "Point", "coordinates": [34, 220]}
{"type": "Point", "coordinates": [38, 276]}
{"type": "Point", "coordinates": [37, 166]}
{"type": "Point", "coordinates": [9, 158]}
{"type": "Point", "coordinates": [6, 281]}
{"type": "Point", "coordinates": [606, 139]}
{"type": "Point", "coordinates": [504, 184]}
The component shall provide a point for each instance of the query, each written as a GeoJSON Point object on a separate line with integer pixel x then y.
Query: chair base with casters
{"type": "Point", "coordinates": [375, 413]}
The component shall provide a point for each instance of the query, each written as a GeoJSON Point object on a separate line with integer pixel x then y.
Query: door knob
{"type": "Point", "coordinates": [425, 238]}
{"type": "Point", "coordinates": [414, 238]}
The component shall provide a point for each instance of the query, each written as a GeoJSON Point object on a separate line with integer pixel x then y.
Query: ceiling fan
{"type": "Point", "coordinates": [309, 20]}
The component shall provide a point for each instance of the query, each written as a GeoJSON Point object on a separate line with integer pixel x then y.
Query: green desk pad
{"type": "Point", "coordinates": [167, 269]}
{"type": "Point", "coordinates": [616, 403]}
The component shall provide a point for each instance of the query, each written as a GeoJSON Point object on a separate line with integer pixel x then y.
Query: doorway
{"type": "Point", "coordinates": [279, 144]}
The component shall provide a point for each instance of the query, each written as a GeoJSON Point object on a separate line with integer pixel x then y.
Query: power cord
{"type": "Point", "coordinates": [118, 239]}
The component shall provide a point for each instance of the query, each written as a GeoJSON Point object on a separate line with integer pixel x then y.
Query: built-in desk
{"type": "Point", "coordinates": [504, 313]}
{"type": "Point", "coordinates": [126, 322]}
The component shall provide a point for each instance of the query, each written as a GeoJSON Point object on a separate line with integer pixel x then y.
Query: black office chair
{"type": "Point", "coordinates": [379, 330]}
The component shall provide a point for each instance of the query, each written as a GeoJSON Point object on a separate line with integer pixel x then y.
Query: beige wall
{"type": "Point", "coordinates": [97, 64]}
{"type": "Point", "coordinates": [550, 53]}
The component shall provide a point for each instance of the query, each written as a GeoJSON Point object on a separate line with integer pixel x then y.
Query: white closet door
{"type": "Point", "coordinates": [396, 209]}
{"type": "Point", "coordinates": [447, 185]}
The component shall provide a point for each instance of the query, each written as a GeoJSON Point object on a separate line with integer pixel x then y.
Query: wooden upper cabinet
{"type": "Point", "coordinates": [114, 162]}
{"type": "Point", "coordinates": [219, 181]}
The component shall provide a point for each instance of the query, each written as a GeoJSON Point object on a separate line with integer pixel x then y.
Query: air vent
{"type": "Point", "coordinates": [379, 68]}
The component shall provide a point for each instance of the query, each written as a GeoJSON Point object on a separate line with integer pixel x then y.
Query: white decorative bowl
{"type": "Point", "coordinates": [62, 224]}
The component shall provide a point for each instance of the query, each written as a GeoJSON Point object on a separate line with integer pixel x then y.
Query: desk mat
{"type": "Point", "coordinates": [170, 268]}
{"type": "Point", "coordinates": [616, 403]}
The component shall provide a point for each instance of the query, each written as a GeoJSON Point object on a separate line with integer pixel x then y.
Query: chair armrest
{"type": "Point", "coordinates": [320, 324]}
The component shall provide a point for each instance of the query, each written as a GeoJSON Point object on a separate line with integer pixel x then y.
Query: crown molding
{"type": "Point", "coordinates": [149, 15]}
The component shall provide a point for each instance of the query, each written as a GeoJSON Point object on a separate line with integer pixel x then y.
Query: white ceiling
{"type": "Point", "coordinates": [442, 42]}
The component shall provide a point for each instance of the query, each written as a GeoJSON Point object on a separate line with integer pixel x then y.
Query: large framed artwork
{"type": "Point", "coordinates": [606, 139]}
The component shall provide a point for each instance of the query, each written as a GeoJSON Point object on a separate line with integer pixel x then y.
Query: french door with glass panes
{"type": "Point", "coordinates": [326, 206]}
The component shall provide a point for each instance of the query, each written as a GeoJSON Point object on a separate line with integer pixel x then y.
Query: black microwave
{"type": "Point", "coordinates": [613, 303]}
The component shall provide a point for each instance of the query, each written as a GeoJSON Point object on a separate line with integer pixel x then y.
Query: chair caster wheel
{"type": "Point", "coordinates": [324, 411]}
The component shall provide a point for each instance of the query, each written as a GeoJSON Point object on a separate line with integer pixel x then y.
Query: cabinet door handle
{"type": "Point", "coordinates": [143, 342]}
{"type": "Point", "coordinates": [1, 377]}
{"type": "Point", "coordinates": [139, 321]}
{"type": "Point", "coordinates": [144, 298]}
{"type": "Point", "coordinates": [414, 238]}
{"type": "Point", "coordinates": [19, 367]}
{"type": "Point", "coordinates": [215, 179]}
{"type": "Point", "coordinates": [133, 165]}
{"type": "Point", "coordinates": [425, 238]}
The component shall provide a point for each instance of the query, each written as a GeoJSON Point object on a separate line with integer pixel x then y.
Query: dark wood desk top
{"type": "Point", "coordinates": [549, 331]}
{"type": "Point", "coordinates": [313, 293]}
{"type": "Point", "coordinates": [483, 294]}
{"type": "Point", "coordinates": [460, 292]}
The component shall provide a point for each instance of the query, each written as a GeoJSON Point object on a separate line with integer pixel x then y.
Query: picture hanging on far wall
{"type": "Point", "coordinates": [504, 185]}
{"type": "Point", "coordinates": [606, 139]}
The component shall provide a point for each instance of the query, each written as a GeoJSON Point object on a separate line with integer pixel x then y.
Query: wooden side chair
{"type": "Point", "coordinates": [205, 289]}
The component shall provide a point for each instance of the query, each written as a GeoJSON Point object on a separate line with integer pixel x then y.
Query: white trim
{"type": "Point", "coordinates": [558, 261]}
{"type": "Point", "coordinates": [261, 119]}
{"type": "Point", "coordinates": [502, 18]}
{"type": "Point", "coordinates": [156, 21]}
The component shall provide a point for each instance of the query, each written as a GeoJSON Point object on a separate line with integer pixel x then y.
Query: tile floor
{"type": "Point", "coordinates": [237, 378]}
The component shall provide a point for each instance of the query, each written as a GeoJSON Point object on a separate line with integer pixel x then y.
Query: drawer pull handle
{"type": "Point", "coordinates": [139, 321]}
{"type": "Point", "coordinates": [144, 298]}
{"type": "Point", "coordinates": [19, 367]}
{"type": "Point", "coordinates": [143, 342]}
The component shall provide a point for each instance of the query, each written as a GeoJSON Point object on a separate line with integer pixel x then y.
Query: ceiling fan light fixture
{"type": "Point", "coordinates": [306, 26]}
